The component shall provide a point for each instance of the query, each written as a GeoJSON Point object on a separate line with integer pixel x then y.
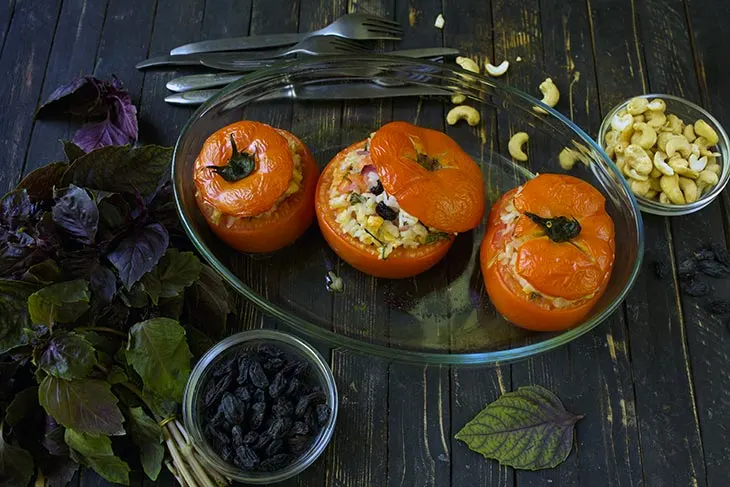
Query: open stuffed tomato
{"type": "Point", "coordinates": [548, 252]}
{"type": "Point", "coordinates": [255, 186]}
{"type": "Point", "coordinates": [391, 205]}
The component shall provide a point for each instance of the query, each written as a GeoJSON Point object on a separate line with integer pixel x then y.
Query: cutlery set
{"type": "Point", "coordinates": [233, 57]}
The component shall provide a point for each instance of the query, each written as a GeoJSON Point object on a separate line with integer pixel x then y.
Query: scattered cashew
{"type": "Point", "coordinates": [670, 187]}
{"type": "Point", "coordinates": [550, 94]}
{"type": "Point", "coordinates": [463, 112]}
{"type": "Point", "coordinates": [515, 144]}
{"type": "Point", "coordinates": [640, 188]}
{"type": "Point", "coordinates": [661, 165]}
{"type": "Point", "coordinates": [458, 99]}
{"type": "Point", "coordinates": [468, 64]}
{"type": "Point", "coordinates": [689, 190]}
{"type": "Point", "coordinates": [439, 23]}
{"type": "Point", "coordinates": [497, 70]}
{"type": "Point", "coordinates": [621, 122]}
{"type": "Point", "coordinates": [567, 158]}
{"type": "Point", "coordinates": [643, 135]}
{"type": "Point", "coordinates": [674, 124]}
{"type": "Point", "coordinates": [657, 105]}
{"type": "Point", "coordinates": [689, 132]}
{"type": "Point", "coordinates": [655, 118]}
{"type": "Point", "coordinates": [708, 177]}
{"type": "Point", "coordinates": [638, 159]}
{"type": "Point", "coordinates": [637, 106]}
{"type": "Point", "coordinates": [703, 129]}
{"type": "Point", "coordinates": [681, 167]}
{"type": "Point", "coordinates": [714, 168]}
{"type": "Point", "coordinates": [697, 164]}
{"type": "Point", "coordinates": [662, 139]}
{"type": "Point", "coordinates": [678, 143]}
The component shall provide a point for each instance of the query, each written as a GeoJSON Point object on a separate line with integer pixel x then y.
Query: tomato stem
{"type": "Point", "coordinates": [240, 165]}
{"type": "Point", "coordinates": [558, 229]}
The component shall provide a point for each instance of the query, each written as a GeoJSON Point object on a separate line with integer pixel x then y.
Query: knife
{"type": "Point", "coordinates": [232, 61]}
{"type": "Point", "coordinates": [350, 91]}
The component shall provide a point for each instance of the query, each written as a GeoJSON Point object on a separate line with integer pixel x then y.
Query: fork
{"type": "Point", "coordinates": [234, 61]}
{"type": "Point", "coordinates": [351, 26]}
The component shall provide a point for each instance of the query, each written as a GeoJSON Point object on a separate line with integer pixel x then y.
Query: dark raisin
{"type": "Point", "coordinates": [251, 437]}
{"type": "Point", "coordinates": [713, 269]}
{"type": "Point", "coordinates": [216, 436]}
{"type": "Point", "coordinates": [278, 385]}
{"type": "Point", "coordinates": [297, 444]}
{"type": "Point", "coordinates": [279, 427]}
{"type": "Point", "coordinates": [721, 254]}
{"type": "Point", "coordinates": [273, 364]}
{"type": "Point", "coordinates": [258, 411]}
{"type": "Point", "coordinates": [661, 269]}
{"type": "Point", "coordinates": [243, 394]}
{"type": "Point", "coordinates": [310, 419]}
{"type": "Point", "coordinates": [245, 458]}
{"type": "Point", "coordinates": [305, 401]}
{"type": "Point", "coordinates": [296, 369]}
{"type": "Point", "coordinates": [294, 387]}
{"type": "Point", "coordinates": [262, 442]}
{"type": "Point", "coordinates": [233, 408]}
{"type": "Point", "coordinates": [216, 389]}
{"type": "Point", "coordinates": [687, 268]}
{"type": "Point", "coordinates": [377, 189]}
{"type": "Point", "coordinates": [274, 447]}
{"type": "Point", "coordinates": [224, 367]}
{"type": "Point", "coordinates": [226, 453]}
{"type": "Point", "coordinates": [282, 408]}
{"type": "Point", "coordinates": [257, 375]}
{"type": "Point", "coordinates": [385, 212]}
{"type": "Point", "coordinates": [299, 428]}
{"type": "Point", "coordinates": [259, 395]}
{"type": "Point", "coordinates": [316, 388]}
{"type": "Point", "coordinates": [277, 462]}
{"type": "Point", "coordinates": [237, 435]}
{"type": "Point", "coordinates": [322, 413]}
{"type": "Point", "coordinates": [695, 288]}
{"type": "Point", "coordinates": [718, 307]}
{"type": "Point", "coordinates": [267, 350]}
{"type": "Point", "coordinates": [244, 362]}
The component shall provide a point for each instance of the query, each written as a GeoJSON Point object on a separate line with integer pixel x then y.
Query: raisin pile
{"type": "Point", "coordinates": [261, 411]}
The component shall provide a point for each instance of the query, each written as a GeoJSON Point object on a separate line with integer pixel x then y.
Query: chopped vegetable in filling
{"type": "Point", "coordinates": [368, 213]}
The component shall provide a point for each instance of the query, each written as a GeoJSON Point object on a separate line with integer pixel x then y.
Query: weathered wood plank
{"type": "Point", "coordinates": [7, 9]}
{"type": "Point", "coordinates": [23, 60]}
{"type": "Point", "coordinates": [668, 427]}
{"type": "Point", "coordinates": [73, 54]}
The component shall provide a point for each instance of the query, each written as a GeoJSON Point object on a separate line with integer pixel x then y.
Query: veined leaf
{"type": "Point", "coordinates": [63, 302]}
{"type": "Point", "coordinates": [103, 284]}
{"type": "Point", "coordinates": [43, 273]}
{"type": "Point", "coordinates": [22, 404]}
{"type": "Point", "coordinates": [86, 405]}
{"type": "Point", "coordinates": [76, 213]}
{"type": "Point", "coordinates": [15, 326]}
{"type": "Point", "coordinates": [147, 434]}
{"type": "Point", "coordinates": [67, 355]}
{"type": "Point", "coordinates": [175, 271]}
{"type": "Point", "coordinates": [139, 253]}
{"type": "Point", "coordinates": [95, 451]}
{"type": "Point", "coordinates": [159, 353]}
{"type": "Point", "coordinates": [40, 182]}
{"type": "Point", "coordinates": [72, 151]}
{"type": "Point", "coordinates": [16, 464]}
{"type": "Point", "coordinates": [527, 429]}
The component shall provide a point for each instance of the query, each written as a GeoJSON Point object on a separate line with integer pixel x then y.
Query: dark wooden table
{"type": "Point", "coordinates": [652, 381]}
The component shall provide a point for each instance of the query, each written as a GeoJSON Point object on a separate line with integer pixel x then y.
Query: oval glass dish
{"type": "Point", "coordinates": [443, 315]}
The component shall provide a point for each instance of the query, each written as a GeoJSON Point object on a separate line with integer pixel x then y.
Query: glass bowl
{"type": "Point", "coordinates": [689, 113]}
{"type": "Point", "coordinates": [443, 315]}
{"type": "Point", "coordinates": [295, 348]}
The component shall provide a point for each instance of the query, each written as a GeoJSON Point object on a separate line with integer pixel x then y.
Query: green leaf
{"type": "Point", "coordinates": [116, 375]}
{"type": "Point", "coordinates": [86, 405]}
{"type": "Point", "coordinates": [121, 169]}
{"type": "Point", "coordinates": [22, 404]}
{"type": "Point", "coordinates": [199, 342]}
{"type": "Point", "coordinates": [95, 451]}
{"type": "Point", "coordinates": [40, 183]}
{"type": "Point", "coordinates": [159, 353]}
{"type": "Point", "coordinates": [72, 150]}
{"type": "Point", "coordinates": [67, 355]}
{"type": "Point", "coordinates": [43, 273]}
{"type": "Point", "coordinates": [175, 271]}
{"type": "Point", "coordinates": [16, 464]}
{"type": "Point", "coordinates": [528, 429]}
{"type": "Point", "coordinates": [147, 434]}
{"type": "Point", "coordinates": [63, 302]}
{"type": "Point", "coordinates": [15, 326]}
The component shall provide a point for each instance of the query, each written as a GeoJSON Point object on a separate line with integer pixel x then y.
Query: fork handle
{"type": "Point", "coordinates": [240, 43]}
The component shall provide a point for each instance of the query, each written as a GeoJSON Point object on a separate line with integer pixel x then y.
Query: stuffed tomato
{"type": "Point", "coordinates": [548, 252]}
{"type": "Point", "coordinates": [391, 205]}
{"type": "Point", "coordinates": [255, 186]}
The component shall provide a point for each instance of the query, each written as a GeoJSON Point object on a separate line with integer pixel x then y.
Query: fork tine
{"type": "Point", "coordinates": [382, 33]}
{"type": "Point", "coordinates": [385, 28]}
{"type": "Point", "coordinates": [345, 48]}
{"type": "Point", "coordinates": [380, 20]}
{"type": "Point", "coordinates": [342, 41]}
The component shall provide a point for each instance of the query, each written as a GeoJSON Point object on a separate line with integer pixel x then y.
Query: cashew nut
{"type": "Point", "coordinates": [463, 112]}
{"type": "Point", "coordinates": [439, 23]}
{"type": "Point", "coordinates": [611, 137]}
{"type": "Point", "coordinates": [567, 158]}
{"type": "Point", "coordinates": [651, 194]}
{"type": "Point", "coordinates": [655, 118]}
{"type": "Point", "coordinates": [689, 132]}
{"type": "Point", "coordinates": [689, 190]}
{"type": "Point", "coordinates": [633, 174]}
{"type": "Point", "coordinates": [497, 70]}
{"type": "Point", "coordinates": [656, 173]}
{"type": "Point", "coordinates": [662, 139]}
{"type": "Point", "coordinates": [695, 149]}
{"type": "Point", "coordinates": [708, 178]}
{"type": "Point", "coordinates": [701, 142]}
{"type": "Point", "coordinates": [697, 164]}
{"type": "Point", "coordinates": [657, 105]}
{"type": "Point", "coordinates": [714, 168]}
{"type": "Point", "coordinates": [678, 143]}
{"type": "Point", "coordinates": [621, 122]}
{"type": "Point", "coordinates": [639, 118]}
{"type": "Point", "coordinates": [644, 135]}
{"type": "Point", "coordinates": [670, 187]}
{"type": "Point", "coordinates": [703, 129]}
{"type": "Point", "coordinates": [637, 106]}
{"type": "Point", "coordinates": [674, 124]}
{"type": "Point", "coordinates": [458, 99]}
{"type": "Point", "coordinates": [640, 188]}
{"type": "Point", "coordinates": [661, 165]}
{"type": "Point", "coordinates": [468, 64]}
{"type": "Point", "coordinates": [663, 198]}
{"type": "Point", "coordinates": [550, 95]}
{"type": "Point", "coordinates": [655, 184]}
{"type": "Point", "coordinates": [515, 146]}
{"type": "Point", "coordinates": [638, 159]}
{"type": "Point", "coordinates": [681, 167]}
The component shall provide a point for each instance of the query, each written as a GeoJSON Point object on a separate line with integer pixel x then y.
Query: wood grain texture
{"type": "Point", "coordinates": [24, 59]}
{"type": "Point", "coordinates": [7, 9]}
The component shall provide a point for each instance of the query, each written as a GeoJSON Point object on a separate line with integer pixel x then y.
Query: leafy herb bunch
{"type": "Point", "coordinates": [96, 315]}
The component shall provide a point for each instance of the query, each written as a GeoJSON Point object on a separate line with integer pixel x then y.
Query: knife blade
{"type": "Point", "coordinates": [231, 61]}
{"type": "Point", "coordinates": [350, 91]}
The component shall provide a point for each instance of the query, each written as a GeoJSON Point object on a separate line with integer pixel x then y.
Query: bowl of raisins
{"type": "Point", "coordinates": [261, 406]}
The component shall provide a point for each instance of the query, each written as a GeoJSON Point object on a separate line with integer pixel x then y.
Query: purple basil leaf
{"type": "Point", "coordinates": [103, 284]}
{"type": "Point", "coordinates": [83, 97]}
{"type": "Point", "coordinates": [16, 209]}
{"type": "Point", "coordinates": [76, 213]}
{"type": "Point", "coordinates": [101, 134]}
{"type": "Point", "coordinates": [53, 439]}
{"type": "Point", "coordinates": [66, 355]}
{"type": "Point", "coordinates": [139, 253]}
{"type": "Point", "coordinates": [124, 114]}
{"type": "Point", "coordinates": [40, 183]}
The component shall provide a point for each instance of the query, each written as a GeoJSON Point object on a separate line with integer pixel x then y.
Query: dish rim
{"type": "Point", "coordinates": [406, 355]}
